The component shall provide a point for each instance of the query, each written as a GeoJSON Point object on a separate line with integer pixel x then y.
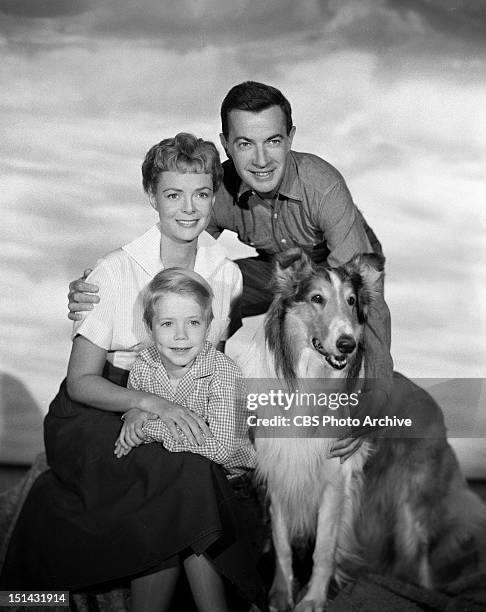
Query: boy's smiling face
{"type": "Point", "coordinates": [179, 330]}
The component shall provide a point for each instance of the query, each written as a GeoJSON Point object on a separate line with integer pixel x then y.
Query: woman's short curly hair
{"type": "Point", "coordinates": [183, 153]}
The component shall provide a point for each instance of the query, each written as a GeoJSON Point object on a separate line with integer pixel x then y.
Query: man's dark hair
{"type": "Point", "coordinates": [254, 97]}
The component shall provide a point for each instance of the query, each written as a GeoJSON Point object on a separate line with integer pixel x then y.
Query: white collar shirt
{"type": "Point", "coordinates": [116, 323]}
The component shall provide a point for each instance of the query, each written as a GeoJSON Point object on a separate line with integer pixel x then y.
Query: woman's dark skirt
{"type": "Point", "coordinates": [93, 518]}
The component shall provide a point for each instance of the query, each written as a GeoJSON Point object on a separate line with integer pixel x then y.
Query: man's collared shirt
{"type": "Point", "coordinates": [212, 389]}
{"type": "Point", "coordinates": [313, 209]}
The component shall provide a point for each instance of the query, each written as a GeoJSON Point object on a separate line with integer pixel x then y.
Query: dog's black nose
{"type": "Point", "coordinates": [346, 344]}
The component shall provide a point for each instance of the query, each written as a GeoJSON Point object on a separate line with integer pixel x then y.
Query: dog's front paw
{"type": "Point", "coordinates": [309, 601]}
{"type": "Point", "coordinates": [310, 605]}
{"type": "Point", "coordinates": [279, 600]}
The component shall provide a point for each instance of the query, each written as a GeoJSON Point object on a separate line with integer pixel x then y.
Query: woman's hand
{"type": "Point", "coordinates": [177, 417]}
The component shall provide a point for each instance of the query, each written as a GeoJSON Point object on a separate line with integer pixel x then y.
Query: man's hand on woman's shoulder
{"type": "Point", "coordinates": [81, 296]}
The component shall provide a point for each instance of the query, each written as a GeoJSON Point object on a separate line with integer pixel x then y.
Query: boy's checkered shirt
{"type": "Point", "coordinates": [212, 389]}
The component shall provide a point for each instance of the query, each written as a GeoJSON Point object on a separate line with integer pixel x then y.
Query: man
{"type": "Point", "coordinates": [274, 199]}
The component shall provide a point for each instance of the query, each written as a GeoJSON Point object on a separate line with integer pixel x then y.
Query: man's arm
{"type": "Point", "coordinates": [342, 225]}
{"type": "Point", "coordinates": [345, 233]}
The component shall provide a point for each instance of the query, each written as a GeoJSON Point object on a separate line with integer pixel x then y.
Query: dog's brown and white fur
{"type": "Point", "coordinates": [314, 330]}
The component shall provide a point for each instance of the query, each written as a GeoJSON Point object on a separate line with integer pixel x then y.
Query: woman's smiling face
{"type": "Point", "coordinates": [184, 202]}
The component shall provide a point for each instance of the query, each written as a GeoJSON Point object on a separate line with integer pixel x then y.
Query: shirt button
{"type": "Point", "coordinates": [275, 215]}
{"type": "Point", "coordinates": [283, 241]}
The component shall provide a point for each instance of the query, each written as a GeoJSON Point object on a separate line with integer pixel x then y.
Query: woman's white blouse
{"type": "Point", "coordinates": [116, 323]}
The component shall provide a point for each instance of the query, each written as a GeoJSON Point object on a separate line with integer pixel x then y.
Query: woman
{"type": "Point", "coordinates": [97, 518]}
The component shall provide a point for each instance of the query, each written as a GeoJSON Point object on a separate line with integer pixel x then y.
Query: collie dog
{"type": "Point", "coordinates": [396, 505]}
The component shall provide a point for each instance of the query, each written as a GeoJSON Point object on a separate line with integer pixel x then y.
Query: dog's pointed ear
{"type": "Point", "coordinates": [367, 272]}
{"type": "Point", "coordinates": [291, 267]}
{"type": "Point", "coordinates": [371, 268]}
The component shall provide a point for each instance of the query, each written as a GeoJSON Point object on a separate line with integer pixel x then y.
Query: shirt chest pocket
{"type": "Point", "coordinates": [256, 226]}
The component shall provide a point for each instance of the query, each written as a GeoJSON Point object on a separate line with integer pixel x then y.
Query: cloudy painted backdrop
{"type": "Point", "coordinates": [393, 93]}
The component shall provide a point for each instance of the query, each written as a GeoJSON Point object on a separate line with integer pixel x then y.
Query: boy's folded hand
{"type": "Point", "coordinates": [131, 433]}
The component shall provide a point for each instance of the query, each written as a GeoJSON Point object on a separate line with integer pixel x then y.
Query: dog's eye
{"type": "Point", "coordinates": [351, 300]}
{"type": "Point", "coordinates": [317, 299]}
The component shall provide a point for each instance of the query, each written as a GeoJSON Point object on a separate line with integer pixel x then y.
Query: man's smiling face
{"type": "Point", "coordinates": [258, 144]}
